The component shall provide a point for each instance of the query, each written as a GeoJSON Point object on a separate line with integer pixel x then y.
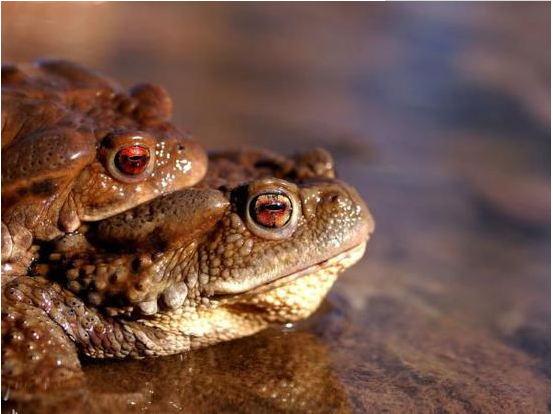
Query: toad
{"type": "Point", "coordinates": [77, 148]}
{"type": "Point", "coordinates": [258, 241]}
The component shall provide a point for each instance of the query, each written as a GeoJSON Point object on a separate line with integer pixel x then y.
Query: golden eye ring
{"type": "Point", "coordinates": [272, 210]}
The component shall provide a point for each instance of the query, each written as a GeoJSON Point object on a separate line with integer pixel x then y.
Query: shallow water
{"type": "Point", "coordinates": [438, 113]}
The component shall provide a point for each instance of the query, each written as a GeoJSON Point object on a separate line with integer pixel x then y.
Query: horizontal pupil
{"type": "Point", "coordinates": [132, 160]}
{"type": "Point", "coordinates": [135, 160]}
{"type": "Point", "coordinates": [271, 210]}
{"type": "Point", "coordinates": [274, 207]}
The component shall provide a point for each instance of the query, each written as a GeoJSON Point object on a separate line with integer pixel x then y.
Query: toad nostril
{"type": "Point", "coordinates": [332, 197]}
{"type": "Point", "coordinates": [180, 147]}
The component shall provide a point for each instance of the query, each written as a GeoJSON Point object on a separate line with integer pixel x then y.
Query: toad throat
{"type": "Point", "coordinates": [288, 299]}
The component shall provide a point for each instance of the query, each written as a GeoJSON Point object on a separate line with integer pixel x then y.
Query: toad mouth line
{"type": "Point", "coordinates": [121, 238]}
{"type": "Point", "coordinates": [339, 261]}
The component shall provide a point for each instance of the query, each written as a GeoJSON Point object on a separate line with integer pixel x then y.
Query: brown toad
{"type": "Point", "coordinates": [77, 148]}
{"type": "Point", "coordinates": [260, 240]}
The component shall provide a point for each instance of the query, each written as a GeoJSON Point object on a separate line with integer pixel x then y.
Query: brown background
{"type": "Point", "coordinates": [439, 113]}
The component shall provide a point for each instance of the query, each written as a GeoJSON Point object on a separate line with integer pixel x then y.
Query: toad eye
{"type": "Point", "coordinates": [129, 157]}
{"type": "Point", "coordinates": [271, 210]}
{"type": "Point", "coordinates": [132, 160]}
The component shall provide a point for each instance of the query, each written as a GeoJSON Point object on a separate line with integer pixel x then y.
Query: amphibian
{"type": "Point", "coordinates": [76, 147]}
{"type": "Point", "coordinates": [260, 240]}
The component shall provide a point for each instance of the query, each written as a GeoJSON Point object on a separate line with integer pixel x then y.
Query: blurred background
{"type": "Point", "coordinates": [439, 113]}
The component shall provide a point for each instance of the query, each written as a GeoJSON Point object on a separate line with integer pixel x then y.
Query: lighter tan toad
{"type": "Point", "coordinates": [260, 240]}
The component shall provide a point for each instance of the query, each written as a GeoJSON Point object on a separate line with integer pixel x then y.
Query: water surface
{"type": "Point", "coordinates": [438, 113]}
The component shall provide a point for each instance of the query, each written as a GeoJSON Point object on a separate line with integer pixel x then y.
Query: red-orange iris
{"type": "Point", "coordinates": [271, 210]}
{"type": "Point", "coordinates": [132, 160]}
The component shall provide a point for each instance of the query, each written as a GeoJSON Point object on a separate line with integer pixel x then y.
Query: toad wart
{"type": "Point", "coordinates": [260, 240]}
{"type": "Point", "coordinates": [76, 147]}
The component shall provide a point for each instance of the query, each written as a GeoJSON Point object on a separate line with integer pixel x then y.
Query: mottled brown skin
{"type": "Point", "coordinates": [61, 126]}
{"type": "Point", "coordinates": [163, 292]}
{"type": "Point", "coordinates": [112, 265]}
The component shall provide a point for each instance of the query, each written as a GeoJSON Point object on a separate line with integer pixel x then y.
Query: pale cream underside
{"type": "Point", "coordinates": [288, 299]}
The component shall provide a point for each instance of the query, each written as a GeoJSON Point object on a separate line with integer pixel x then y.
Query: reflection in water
{"type": "Point", "coordinates": [387, 359]}
{"type": "Point", "coordinates": [275, 371]}
{"type": "Point", "coordinates": [439, 114]}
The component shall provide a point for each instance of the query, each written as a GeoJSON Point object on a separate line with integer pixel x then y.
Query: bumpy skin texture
{"type": "Point", "coordinates": [113, 268]}
{"type": "Point", "coordinates": [174, 292]}
{"type": "Point", "coordinates": [62, 126]}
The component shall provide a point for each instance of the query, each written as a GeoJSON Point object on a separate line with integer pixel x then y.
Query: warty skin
{"type": "Point", "coordinates": [220, 283]}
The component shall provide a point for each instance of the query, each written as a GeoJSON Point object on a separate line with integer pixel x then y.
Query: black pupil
{"type": "Point", "coordinates": [135, 160]}
{"type": "Point", "coordinates": [275, 206]}
{"type": "Point", "coordinates": [131, 163]}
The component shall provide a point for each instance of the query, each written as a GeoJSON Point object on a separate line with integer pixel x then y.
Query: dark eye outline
{"type": "Point", "coordinates": [111, 163]}
{"type": "Point", "coordinates": [131, 155]}
{"type": "Point", "coordinates": [272, 187]}
{"type": "Point", "coordinates": [271, 204]}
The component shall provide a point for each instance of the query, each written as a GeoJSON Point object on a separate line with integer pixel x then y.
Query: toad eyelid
{"type": "Point", "coordinates": [282, 206]}
{"type": "Point", "coordinates": [112, 159]}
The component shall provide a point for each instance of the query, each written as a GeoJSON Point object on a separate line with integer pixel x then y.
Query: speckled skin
{"type": "Point", "coordinates": [109, 266]}
{"type": "Point", "coordinates": [60, 125]}
{"type": "Point", "coordinates": [173, 292]}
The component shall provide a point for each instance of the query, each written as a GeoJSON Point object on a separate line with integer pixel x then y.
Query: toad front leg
{"type": "Point", "coordinates": [36, 352]}
{"type": "Point", "coordinates": [44, 327]}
